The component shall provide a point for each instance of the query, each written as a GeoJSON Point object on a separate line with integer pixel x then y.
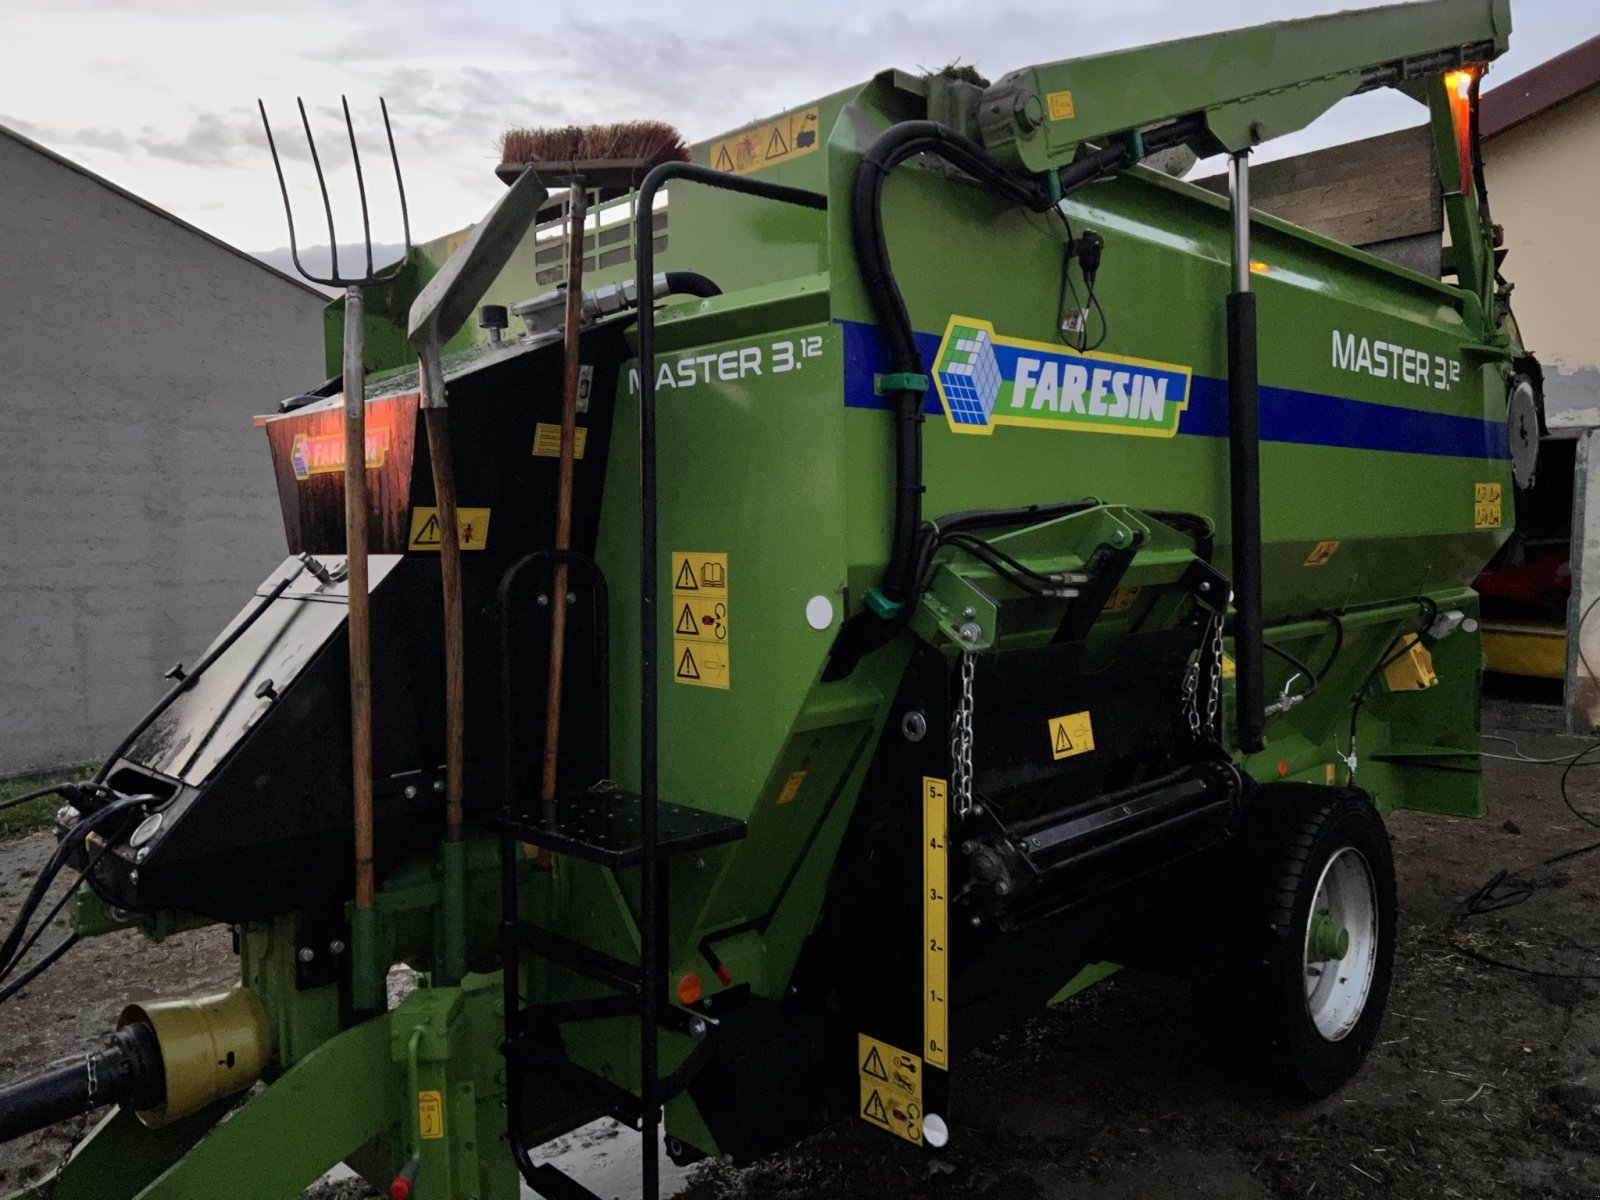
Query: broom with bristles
{"type": "Point", "coordinates": [603, 156]}
{"type": "Point", "coordinates": [611, 158]}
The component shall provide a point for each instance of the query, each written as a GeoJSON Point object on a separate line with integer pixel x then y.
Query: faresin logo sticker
{"type": "Point", "coordinates": [985, 380]}
{"type": "Point", "coordinates": [323, 453]}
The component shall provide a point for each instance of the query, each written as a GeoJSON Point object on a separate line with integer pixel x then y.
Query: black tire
{"type": "Point", "coordinates": [1298, 831]}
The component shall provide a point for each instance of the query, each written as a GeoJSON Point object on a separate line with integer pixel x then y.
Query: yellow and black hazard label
{"type": "Point", "coordinates": [780, 140]}
{"type": "Point", "coordinates": [706, 620]}
{"type": "Point", "coordinates": [1120, 600]}
{"type": "Point", "coordinates": [1070, 735]}
{"type": "Point", "coordinates": [472, 528]}
{"type": "Point", "coordinates": [891, 1088]}
{"type": "Point", "coordinates": [430, 1115]}
{"type": "Point", "coordinates": [1061, 108]}
{"type": "Point", "coordinates": [547, 440]}
{"type": "Point", "coordinates": [1321, 553]}
{"type": "Point", "coordinates": [699, 615]}
{"type": "Point", "coordinates": [791, 787]}
{"type": "Point", "coordinates": [1486, 506]}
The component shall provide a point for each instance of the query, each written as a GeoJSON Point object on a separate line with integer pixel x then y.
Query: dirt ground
{"type": "Point", "coordinates": [1485, 1082]}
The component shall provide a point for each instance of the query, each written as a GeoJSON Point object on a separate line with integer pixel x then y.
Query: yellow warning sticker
{"type": "Point", "coordinates": [1321, 553]}
{"type": "Point", "coordinates": [547, 440]}
{"type": "Point", "coordinates": [778, 141]}
{"type": "Point", "coordinates": [430, 1115]}
{"type": "Point", "coordinates": [1070, 735]}
{"type": "Point", "coordinates": [1486, 506]}
{"type": "Point", "coordinates": [703, 618]}
{"type": "Point", "coordinates": [935, 923]}
{"type": "Point", "coordinates": [696, 573]}
{"type": "Point", "coordinates": [1121, 600]}
{"type": "Point", "coordinates": [699, 664]}
{"type": "Point", "coordinates": [891, 1088]}
{"type": "Point", "coordinates": [1229, 671]}
{"type": "Point", "coordinates": [472, 528]}
{"type": "Point", "coordinates": [791, 787]}
{"type": "Point", "coordinates": [1060, 106]}
{"type": "Point", "coordinates": [699, 615]}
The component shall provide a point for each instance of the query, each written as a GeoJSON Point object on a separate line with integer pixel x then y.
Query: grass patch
{"type": "Point", "coordinates": [33, 814]}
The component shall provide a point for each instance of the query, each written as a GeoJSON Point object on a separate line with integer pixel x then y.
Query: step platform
{"type": "Point", "coordinates": [602, 825]}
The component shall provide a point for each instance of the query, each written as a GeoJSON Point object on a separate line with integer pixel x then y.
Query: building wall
{"type": "Point", "coordinates": [1544, 188]}
{"type": "Point", "coordinates": [136, 499]}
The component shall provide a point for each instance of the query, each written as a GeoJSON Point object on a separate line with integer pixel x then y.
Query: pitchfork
{"type": "Point", "coordinates": [366, 976]}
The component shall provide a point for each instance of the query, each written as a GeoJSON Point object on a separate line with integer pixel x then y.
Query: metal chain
{"type": "Point", "coordinates": [1213, 724]}
{"type": "Point", "coordinates": [1203, 726]}
{"type": "Point", "coordinates": [961, 740]}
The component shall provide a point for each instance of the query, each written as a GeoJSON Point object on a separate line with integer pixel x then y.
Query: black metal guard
{"type": "Point", "coordinates": [652, 961]}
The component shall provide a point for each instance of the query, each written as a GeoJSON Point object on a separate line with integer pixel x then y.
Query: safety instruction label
{"type": "Point", "coordinates": [935, 923]}
{"type": "Point", "coordinates": [1060, 104]}
{"type": "Point", "coordinates": [791, 787]}
{"type": "Point", "coordinates": [891, 1088]}
{"type": "Point", "coordinates": [1070, 735]}
{"type": "Point", "coordinates": [430, 1115]}
{"type": "Point", "coordinates": [699, 614]}
{"type": "Point", "coordinates": [698, 618]}
{"type": "Point", "coordinates": [547, 440]}
{"type": "Point", "coordinates": [1321, 553]}
{"type": "Point", "coordinates": [1120, 600]}
{"type": "Point", "coordinates": [780, 140]}
{"type": "Point", "coordinates": [1486, 506]}
{"type": "Point", "coordinates": [472, 528]}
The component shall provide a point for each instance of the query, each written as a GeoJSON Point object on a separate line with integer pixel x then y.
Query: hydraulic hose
{"type": "Point", "coordinates": [893, 147]}
{"type": "Point", "coordinates": [126, 1070]}
{"type": "Point", "coordinates": [690, 283]}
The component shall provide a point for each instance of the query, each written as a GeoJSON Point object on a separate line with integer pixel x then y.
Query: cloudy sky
{"type": "Point", "coordinates": [159, 95]}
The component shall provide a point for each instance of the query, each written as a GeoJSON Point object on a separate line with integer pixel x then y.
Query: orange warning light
{"type": "Point", "coordinates": [1458, 92]}
{"type": "Point", "coordinates": [689, 989]}
{"type": "Point", "coordinates": [1259, 267]}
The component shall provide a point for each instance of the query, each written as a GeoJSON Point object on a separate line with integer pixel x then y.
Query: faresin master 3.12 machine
{"type": "Point", "coordinates": [976, 559]}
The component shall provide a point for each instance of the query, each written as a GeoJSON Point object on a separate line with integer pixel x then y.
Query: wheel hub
{"type": "Point", "coordinates": [1341, 944]}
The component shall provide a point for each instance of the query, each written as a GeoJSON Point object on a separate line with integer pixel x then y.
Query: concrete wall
{"type": "Point", "coordinates": [137, 506]}
{"type": "Point", "coordinates": [1544, 188]}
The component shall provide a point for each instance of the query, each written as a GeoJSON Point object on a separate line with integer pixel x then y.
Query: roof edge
{"type": "Point", "coordinates": [79, 168]}
{"type": "Point", "coordinates": [1535, 91]}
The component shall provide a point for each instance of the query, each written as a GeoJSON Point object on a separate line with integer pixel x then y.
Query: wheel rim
{"type": "Point", "coordinates": [1337, 987]}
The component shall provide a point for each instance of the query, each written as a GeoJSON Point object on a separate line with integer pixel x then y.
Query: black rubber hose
{"type": "Point", "coordinates": [126, 1070]}
{"type": "Point", "coordinates": [691, 283]}
{"type": "Point", "coordinates": [893, 147]}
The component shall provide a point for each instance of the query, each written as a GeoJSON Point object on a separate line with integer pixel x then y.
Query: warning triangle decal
{"type": "Point", "coordinates": [777, 147]}
{"type": "Point", "coordinates": [686, 665]}
{"type": "Point", "coordinates": [1063, 742]}
{"type": "Point", "coordinates": [873, 1109]}
{"type": "Point", "coordinates": [428, 535]}
{"type": "Point", "coordinates": [686, 581]}
{"type": "Point", "coordinates": [686, 625]}
{"type": "Point", "coordinates": [874, 1066]}
{"type": "Point", "coordinates": [724, 159]}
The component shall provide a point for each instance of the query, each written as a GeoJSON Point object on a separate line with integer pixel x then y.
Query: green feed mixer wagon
{"type": "Point", "coordinates": [934, 558]}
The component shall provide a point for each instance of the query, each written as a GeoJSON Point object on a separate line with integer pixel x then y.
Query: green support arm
{"type": "Point", "coordinates": [1245, 86]}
